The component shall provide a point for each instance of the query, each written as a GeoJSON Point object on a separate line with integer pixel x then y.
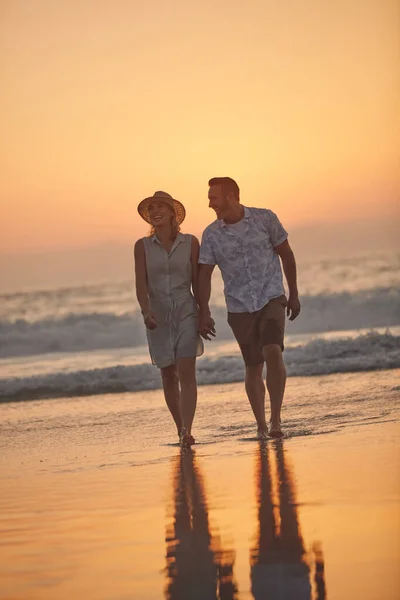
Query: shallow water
{"type": "Point", "coordinates": [124, 429]}
{"type": "Point", "coordinates": [99, 502]}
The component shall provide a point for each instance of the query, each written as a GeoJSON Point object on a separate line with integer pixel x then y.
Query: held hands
{"type": "Point", "coordinates": [293, 307]}
{"type": "Point", "coordinates": [206, 326]}
{"type": "Point", "coordinates": [149, 320]}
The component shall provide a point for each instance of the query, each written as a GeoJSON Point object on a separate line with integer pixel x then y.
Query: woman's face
{"type": "Point", "coordinates": [160, 213]}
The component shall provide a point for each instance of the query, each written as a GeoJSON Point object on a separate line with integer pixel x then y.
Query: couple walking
{"type": "Point", "coordinates": [173, 288]}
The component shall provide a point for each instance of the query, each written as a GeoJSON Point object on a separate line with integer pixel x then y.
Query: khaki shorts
{"type": "Point", "coordinates": [255, 330]}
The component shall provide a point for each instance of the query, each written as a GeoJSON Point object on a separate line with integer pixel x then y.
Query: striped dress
{"type": "Point", "coordinates": [169, 276]}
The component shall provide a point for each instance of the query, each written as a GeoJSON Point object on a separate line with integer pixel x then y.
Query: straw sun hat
{"type": "Point", "coordinates": [179, 209]}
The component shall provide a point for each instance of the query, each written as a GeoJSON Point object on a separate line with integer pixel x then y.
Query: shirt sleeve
{"type": "Point", "coordinates": [207, 256]}
{"type": "Point", "coordinates": [277, 232]}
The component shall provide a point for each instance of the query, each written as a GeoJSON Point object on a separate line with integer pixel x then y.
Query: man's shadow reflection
{"type": "Point", "coordinates": [197, 566]}
{"type": "Point", "coordinates": [281, 568]}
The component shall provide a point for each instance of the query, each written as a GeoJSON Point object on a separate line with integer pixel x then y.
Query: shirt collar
{"type": "Point", "coordinates": [246, 217]}
{"type": "Point", "coordinates": [179, 238]}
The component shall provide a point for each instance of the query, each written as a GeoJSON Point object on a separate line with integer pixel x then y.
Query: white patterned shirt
{"type": "Point", "coordinates": [250, 267]}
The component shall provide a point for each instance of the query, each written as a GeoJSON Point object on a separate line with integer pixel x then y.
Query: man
{"type": "Point", "coordinates": [246, 244]}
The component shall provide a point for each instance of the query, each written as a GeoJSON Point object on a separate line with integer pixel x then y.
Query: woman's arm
{"type": "Point", "coordinates": [206, 322]}
{"type": "Point", "coordinates": [194, 259]}
{"type": "Point", "coordinates": [142, 290]}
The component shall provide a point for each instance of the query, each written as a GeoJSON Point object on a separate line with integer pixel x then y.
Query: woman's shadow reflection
{"type": "Point", "coordinates": [197, 566]}
{"type": "Point", "coordinates": [281, 568]}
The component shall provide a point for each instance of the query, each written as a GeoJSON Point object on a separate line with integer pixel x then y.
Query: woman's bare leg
{"type": "Point", "coordinates": [188, 385]}
{"type": "Point", "coordinates": [170, 383]}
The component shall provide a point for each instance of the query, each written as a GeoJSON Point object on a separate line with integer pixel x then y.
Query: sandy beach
{"type": "Point", "coordinates": [99, 502]}
{"type": "Point", "coordinates": [171, 169]}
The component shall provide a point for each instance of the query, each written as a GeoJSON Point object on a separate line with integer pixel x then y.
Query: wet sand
{"type": "Point", "coordinates": [307, 517]}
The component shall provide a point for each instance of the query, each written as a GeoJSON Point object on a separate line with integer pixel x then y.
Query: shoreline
{"type": "Point", "coordinates": [98, 500]}
{"type": "Point", "coordinates": [84, 390]}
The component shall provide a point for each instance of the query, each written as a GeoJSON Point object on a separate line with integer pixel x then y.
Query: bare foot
{"type": "Point", "coordinates": [275, 430]}
{"type": "Point", "coordinates": [186, 438]}
{"type": "Point", "coordinates": [262, 434]}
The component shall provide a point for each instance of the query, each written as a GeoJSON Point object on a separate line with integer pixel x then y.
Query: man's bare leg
{"type": "Point", "coordinates": [255, 390]}
{"type": "Point", "coordinates": [276, 381]}
{"type": "Point", "coordinates": [171, 393]}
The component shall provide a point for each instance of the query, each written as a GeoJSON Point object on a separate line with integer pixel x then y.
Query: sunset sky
{"type": "Point", "coordinates": [106, 101]}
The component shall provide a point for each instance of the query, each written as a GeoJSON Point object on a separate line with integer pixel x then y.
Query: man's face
{"type": "Point", "coordinates": [160, 213]}
{"type": "Point", "coordinates": [219, 202]}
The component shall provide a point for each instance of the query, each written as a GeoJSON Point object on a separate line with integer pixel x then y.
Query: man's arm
{"type": "Point", "coordinates": [206, 322]}
{"type": "Point", "coordinates": [289, 268]}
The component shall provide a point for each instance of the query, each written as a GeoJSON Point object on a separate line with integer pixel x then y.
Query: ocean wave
{"type": "Point", "coordinates": [379, 307]}
{"type": "Point", "coordinates": [71, 333]}
{"type": "Point", "coordinates": [367, 352]}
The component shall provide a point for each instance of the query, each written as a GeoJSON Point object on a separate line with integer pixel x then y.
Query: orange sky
{"type": "Point", "coordinates": [106, 101]}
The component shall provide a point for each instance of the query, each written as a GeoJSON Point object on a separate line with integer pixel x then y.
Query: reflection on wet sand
{"type": "Point", "coordinates": [281, 569]}
{"type": "Point", "coordinates": [197, 567]}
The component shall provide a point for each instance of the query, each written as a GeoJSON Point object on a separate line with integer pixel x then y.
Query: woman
{"type": "Point", "coordinates": [166, 273]}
